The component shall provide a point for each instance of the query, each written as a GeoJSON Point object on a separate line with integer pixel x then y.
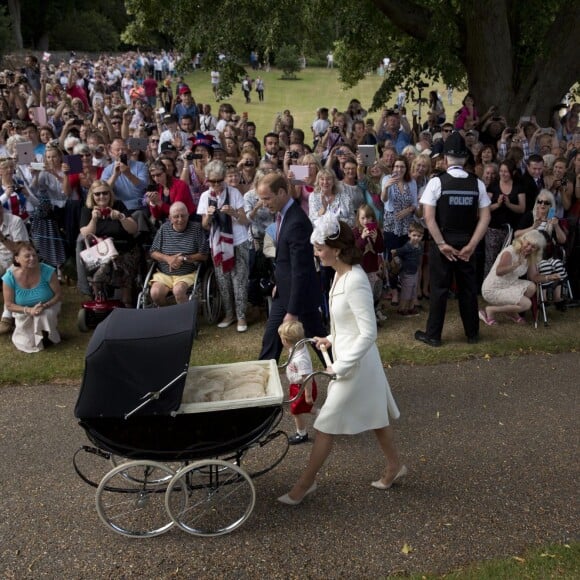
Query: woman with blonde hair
{"type": "Point", "coordinates": [502, 289]}
{"type": "Point", "coordinates": [303, 190]}
{"type": "Point", "coordinates": [327, 197]}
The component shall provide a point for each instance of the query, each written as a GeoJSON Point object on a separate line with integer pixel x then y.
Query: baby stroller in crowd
{"type": "Point", "coordinates": [97, 273]}
{"type": "Point", "coordinates": [176, 435]}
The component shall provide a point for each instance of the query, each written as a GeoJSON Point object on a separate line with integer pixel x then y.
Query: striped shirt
{"type": "Point", "coordinates": [192, 240]}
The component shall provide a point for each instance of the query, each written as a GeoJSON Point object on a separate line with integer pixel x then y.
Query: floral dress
{"type": "Point", "coordinates": [398, 201]}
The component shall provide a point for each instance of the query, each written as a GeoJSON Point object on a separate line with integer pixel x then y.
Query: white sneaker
{"type": "Point", "coordinates": [380, 316]}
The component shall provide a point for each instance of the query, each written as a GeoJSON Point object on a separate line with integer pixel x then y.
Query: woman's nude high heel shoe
{"type": "Point", "coordinates": [380, 485]}
{"type": "Point", "coordinates": [286, 499]}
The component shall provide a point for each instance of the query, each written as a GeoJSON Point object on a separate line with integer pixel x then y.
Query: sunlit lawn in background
{"type": "Point", "coordinates": [313, 88]}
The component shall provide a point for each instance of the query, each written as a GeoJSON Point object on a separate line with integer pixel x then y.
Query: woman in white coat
{"type": "Point", "coordinates": [360, 398]}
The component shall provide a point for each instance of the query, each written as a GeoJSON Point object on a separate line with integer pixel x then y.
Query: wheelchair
{"type": "Point", "coordinates": [545, 293]}
{"type": "Point", "coordinates": [205, 289]}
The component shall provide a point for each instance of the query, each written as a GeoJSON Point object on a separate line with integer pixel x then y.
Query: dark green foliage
{"type": "Point", "coordinates": [287, 59]}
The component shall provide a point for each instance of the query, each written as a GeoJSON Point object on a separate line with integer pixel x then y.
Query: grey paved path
{"type": "Point", "coordinates": [492, 449]}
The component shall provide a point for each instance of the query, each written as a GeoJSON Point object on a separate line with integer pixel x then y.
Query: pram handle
{"type": "Point", "coordinates": [327, 360]}
{"type": "Point", "coordinates": [330, 376]}
{"type": "Point", "coordinates": [154, 395]}
{"type": "Point", "coordinates": [297, 346]}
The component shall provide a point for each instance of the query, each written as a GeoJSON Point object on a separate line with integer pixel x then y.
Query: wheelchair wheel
{"type": "Point", "coordinates": [211, 298]}
{"type": "Point", "coordinates": [144, 300]}
{"type": "Point", "coordinates": [219, 497]}
{"type": "Point", "coordinates": [82, 322]}
{"type": "Point", "coordinates": [130, 499]}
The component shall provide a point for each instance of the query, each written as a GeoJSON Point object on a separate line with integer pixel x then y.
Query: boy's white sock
{"type": "Point", "coordinates": [301, 432]}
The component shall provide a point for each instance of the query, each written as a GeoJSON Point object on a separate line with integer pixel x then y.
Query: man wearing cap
{"type": "Point", "coordinates": [186, 106]}
{"type": "Point", "coordinates": [172, 134]}
{"type": "Point", "coordinates": [457, 213]}
{"type": "Point", "coordinates": [471, 139]}
{"type": "Point", "coordinates": [396, 129]}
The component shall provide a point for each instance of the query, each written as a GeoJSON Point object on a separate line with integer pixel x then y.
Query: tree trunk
{"type": "Point", "coordinates": [489, 34]}
{"type": "Point", "coordinates": [14, 9]}
{"type": "Point", "coordinates": [42, 43]}
{"type": "Point", "coordinates": [493, 76]}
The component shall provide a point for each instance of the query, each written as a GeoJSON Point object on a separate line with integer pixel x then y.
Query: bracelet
{"type": "Point", "coordinates": [441, 243]}
{"type": "Point", "coordinates": [25, 310]}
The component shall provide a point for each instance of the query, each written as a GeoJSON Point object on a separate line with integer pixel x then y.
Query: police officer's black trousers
{"type": "Point", "coordinates": [442, 271]}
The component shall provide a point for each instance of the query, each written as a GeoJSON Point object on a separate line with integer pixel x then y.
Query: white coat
{"type": "Point", "coordinates": [360, 398]}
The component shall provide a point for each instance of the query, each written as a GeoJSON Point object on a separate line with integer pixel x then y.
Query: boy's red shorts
{"type": "Point", "coordinates": [300, 405]}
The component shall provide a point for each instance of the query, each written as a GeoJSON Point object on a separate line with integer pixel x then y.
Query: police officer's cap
{"type": "Point", "coordinates": [455, 145]}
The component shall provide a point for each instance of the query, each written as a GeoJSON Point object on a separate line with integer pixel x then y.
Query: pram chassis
{"type": "Point", "coordinates": [173, 468]}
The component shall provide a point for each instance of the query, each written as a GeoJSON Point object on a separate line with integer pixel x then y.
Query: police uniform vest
{"type": "Point", "coordinates": [457, 208]}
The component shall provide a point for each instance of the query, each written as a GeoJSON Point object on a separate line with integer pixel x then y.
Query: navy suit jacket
{"type": "Point", "coordinates": [297, 284]}
{"type": "Point", "coordinates": [530, 188]}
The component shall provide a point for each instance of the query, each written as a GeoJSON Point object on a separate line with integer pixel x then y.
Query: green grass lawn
{"type": "Point", "coordinates": [314, 87]}
{"type": "Point", "coordinates": [65, 362]}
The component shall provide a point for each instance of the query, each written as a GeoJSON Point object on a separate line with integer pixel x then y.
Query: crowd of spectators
{"type": "Point", "coordinates": [84, 144]}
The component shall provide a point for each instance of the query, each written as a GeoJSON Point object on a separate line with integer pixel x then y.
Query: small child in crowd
{"type": "Point", "coordinates": [410, 256]}
{"type": "Point", "coordinates": [300, 366]}
{"type": "Point", "coordinates": [233, 175]}
{"type": "Point", "coordinates": [369, 240]}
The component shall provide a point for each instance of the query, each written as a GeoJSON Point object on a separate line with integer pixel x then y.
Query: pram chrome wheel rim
{"type": "Point", "coordinates": [130, 499]}
{"type": "Point", "coordinates": [164, 477]}
{"type": "Point", "coordinates": [219, 498]}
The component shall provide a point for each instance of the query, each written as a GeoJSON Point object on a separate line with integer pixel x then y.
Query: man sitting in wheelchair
{"type": "Point", "coordinates": [180, 245]}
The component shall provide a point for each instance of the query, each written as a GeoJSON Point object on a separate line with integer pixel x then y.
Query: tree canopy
{"type": "Point", "coordinates": [520, 55]}
{"type": "Point", "coordinates": [87, 25]}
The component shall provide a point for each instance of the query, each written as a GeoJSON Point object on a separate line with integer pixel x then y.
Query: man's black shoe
{"type": "Point", "coordinates": [422, 336]}
{"type": "Point", "coordinates": [297, 439]}
{"type": "Point", "coordinates": [473, 339]}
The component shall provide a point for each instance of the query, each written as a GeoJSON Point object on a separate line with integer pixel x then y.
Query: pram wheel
{"type": "Point", "coordinates": [130, 499]}
{"type": "Point", "coordinates": [117, 460]}
{"type": "Point", "coordinates": [220, 497]}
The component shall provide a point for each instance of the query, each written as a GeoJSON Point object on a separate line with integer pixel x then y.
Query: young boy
{"type": "Point", "coordinates": [232, 175]}
{"type": "Point", "coordinates": [300, 366]}
{"type": "Point", "coordinates": [410, 255]}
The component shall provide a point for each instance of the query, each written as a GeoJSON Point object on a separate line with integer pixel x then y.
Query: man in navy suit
{"type": "Point", "coordinates": [297, 295]}
{"type": "Point", "coordinates": [532, 181]}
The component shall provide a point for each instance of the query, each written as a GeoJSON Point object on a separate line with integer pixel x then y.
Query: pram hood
{"type": "Point", "coordinates": [133, 353]}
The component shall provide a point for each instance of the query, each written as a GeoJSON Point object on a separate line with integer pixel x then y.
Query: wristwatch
{"type": "Point", "coordinates": [184, 258]}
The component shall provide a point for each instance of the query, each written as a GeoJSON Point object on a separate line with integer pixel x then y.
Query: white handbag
{"type": "Point", "coordinates": [98, 251]}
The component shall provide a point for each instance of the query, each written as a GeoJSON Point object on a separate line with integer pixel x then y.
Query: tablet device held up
{"type": "Point", "coordinates": [75, 163]}
{"type": "Point", "coordinates": [137, 143]}
{"type": "Point", "coordinates": [300, 174]}
{"type": "Point", "coordinates": [25, 153]}
{"type": "Point", "coordinates": [368, 154]}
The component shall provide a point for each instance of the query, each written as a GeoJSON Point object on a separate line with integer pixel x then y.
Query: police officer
{"type": "Point", "coordinates": [456, 209]}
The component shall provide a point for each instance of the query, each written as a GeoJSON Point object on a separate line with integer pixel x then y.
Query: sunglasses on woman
{"type": "Point", "coordinates": [100, 193]}
{"type": "Point", "coordinates": [544, 202]}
